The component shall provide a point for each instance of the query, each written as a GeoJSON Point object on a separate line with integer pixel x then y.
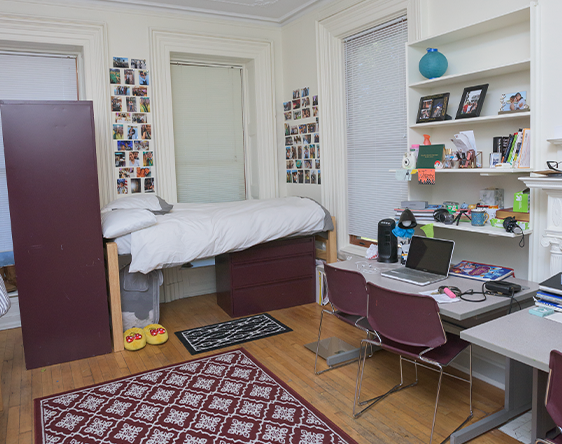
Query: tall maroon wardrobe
{"type": "Point", "coordinates": [53, 192]}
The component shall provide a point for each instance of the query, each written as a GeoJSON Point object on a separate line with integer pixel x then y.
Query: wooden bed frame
{"type": "Point", "coordinates": [329, 254]}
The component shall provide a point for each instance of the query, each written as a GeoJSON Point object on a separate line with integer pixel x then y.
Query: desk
{"type": "Point", "coordinates": [527, 340]}
{"type": "Point", "coordinates": [461, 314]}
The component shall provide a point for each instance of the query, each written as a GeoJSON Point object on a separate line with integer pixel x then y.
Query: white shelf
{"type": "Point", "coordinates": [469, 77]}
{"type": "Point", "coordinates": [473, 121]}
{"type": "Point", "coordinates": [486, 171]}
{"type": "Point", "coordinates": [486, 229]}
{"type": "Point", "coordinates": [556, 141]}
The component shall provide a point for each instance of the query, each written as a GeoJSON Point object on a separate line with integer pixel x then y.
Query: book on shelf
{"type": "Point", "coordinates": [508, 212]}
{"type": "Point", "coordinates": [516, 149]}
{"type": "Point", "coordinates": [552, 284]}
{"type": "Point", "coordinates": [480, 272]}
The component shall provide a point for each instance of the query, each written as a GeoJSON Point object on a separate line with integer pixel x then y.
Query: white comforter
{"type": "Point", "coordinates": [195, 231]}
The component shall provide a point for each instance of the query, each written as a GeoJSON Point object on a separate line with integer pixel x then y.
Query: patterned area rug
{"type": "Point", "coordinates": [225, 334]}
{"type": "Point", "coordinates": [229, 398]}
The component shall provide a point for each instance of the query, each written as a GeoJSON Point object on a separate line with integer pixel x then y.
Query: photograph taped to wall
{"type": "Point", "coordinates": [132, 132]}
{"type": "Point", "coordinates": [138, 63]}
{"type": "Point", "coordinates": [117, 132]}
{"type": "Point", "coordinates": [287, 129]}
{"type": "Point", "coordinates": [149, 185]}
{"type": "Point", "coordinates": [312, 152]}
{"type": "Point", "coordinates": [140, 91]}
{"type": "Point", "coordinates": [306, 113]}
{"type": "Point", "coordinates": [123, 145]}
{"type": "Point", "coordinates": [305, 91]}
{"type": "Point", "coordinates": [122, 117]}
{"type": "Point", "coordinates": [298, 163]}
{"type": "Point", "coordinates": [294, 130]}
{"type": "Point", "coordinates": [141, 145]}
{"type": "Point", "coordinates": [295, 176]}
{"type": "Point", "coordinates": [306, 138]}
{"type": "Point", "coordinates": [288, 153]}
{"type": "Point", "coordinates": [129, 75]}
{"type": "Point", "coordinates": [306, 152]}
{"type": "Point", "coordinates": [299, 152]}
{"type": "Point", "coordinates": [296, 94]}
{"type": "Point", "coordinates": [317, 164]}
{"type": "Point", "coordinates": [146, 132]}
{"type": "Point", "coordinates": [121, 90]}
{"type": "Point", "coordinates": [319, 181]}
{"type": "Point", "coordinates": [114, 76]}
{"type": "Point", "coordinates": [315, 100]}
{"type": "Point", "coordinates": [139, 118]}
{"type": "Point", "coordinates": [287, 106]}
{"type": "Point", "coordinates": [306, 176]}
{"type": "Point", "coordinates": [126, 172]}
{"type": "Point", "coordinates": [144, 105]}
{"type": "Point", "coordinates": [148, 158]}
{"type": "Point", "coordinates": [116, 104]}
{"type": "Point", "coordinates": [297, 139]}
{"type": "Point", "coordinates": [296, 115]}
{"type": "Point", "coordinates": [301, 176]}
{"type": "Point", "coordinates": [289, 176]}
{"type": "Point", "coordinates": [305, 102]}
{"type": "Point", "coordinates": [302, 129]}
{"type": "Point", "coordinates": [313, 177]}
{"type": "Point", "coordinates": [290, 164]}
{"type": "Point", "coordinates": [288, 140]}
{"type": "Point", "coordinates": [296, 104]}
{"type": "Point", "coordinates": [134, 160]}
{"type": "Point", "coordinates": [135, 186]}
{"type": "Point", "coordinates": [131, 104]}
{"type": "Point", "coordinates": [314, 111]}
{"type": "Point", "coordinates": [122, 187]}
{"type": "Point", "coordinates": [308, 163]}
{"type": "Point", "coordinates": [119, 160]}
{"type": "Point", "coordinates": [289, 115]}
{"type": "Point", "coordinates": [317, 138]}
{"type": "Point", "coordinates": [143, 172]}
{"type": "Point", "coordinates": [143, 78]}
{"type": "Point", "coordinates": [293, 152]}
{"type": "Point", "coordinates": [120, 62]}
{"type": "Point", "coordinates": [318, 151]}
{"type": "Point", "coordinates": [312, 127]}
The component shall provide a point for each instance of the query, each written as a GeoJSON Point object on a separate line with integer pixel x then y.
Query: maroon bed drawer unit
{"type": "Point", "coordinates": [269, 276]}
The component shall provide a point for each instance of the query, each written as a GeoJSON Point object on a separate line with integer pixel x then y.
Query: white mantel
{"type": "Point", "coordinates": [553, 233]}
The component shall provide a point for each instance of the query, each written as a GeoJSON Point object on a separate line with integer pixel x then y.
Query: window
{"type": "Point", "coordinates": [30, 77]}
{"type": "Point", "coordinates": [375, 75]}
{"type": "Point", "coordinates": [208, 133]}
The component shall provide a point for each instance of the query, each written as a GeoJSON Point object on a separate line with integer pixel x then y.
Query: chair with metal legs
{"type": "Point", "coordinates": [347, 293]}
{"type": "Point", "coordinates": [410, 326]}
{"type": "Point", "coordinates": [553, 401]}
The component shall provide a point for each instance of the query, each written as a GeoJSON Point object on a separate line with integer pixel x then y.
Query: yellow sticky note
{"type": "Point", "coordinates": [428, 230]}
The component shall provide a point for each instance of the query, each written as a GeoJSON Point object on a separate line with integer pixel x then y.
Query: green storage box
{"type": "Point", "coordinates": [521, 202]}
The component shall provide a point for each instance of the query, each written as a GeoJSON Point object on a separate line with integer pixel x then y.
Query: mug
{"type": "Point", "coordinates": [478, 217]}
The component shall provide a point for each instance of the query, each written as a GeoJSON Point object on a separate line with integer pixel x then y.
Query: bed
{"type": "Point", "coordinates": [158, 235]}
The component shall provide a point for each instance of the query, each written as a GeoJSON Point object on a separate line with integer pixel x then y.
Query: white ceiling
{"type": "Point", "coordinates": [272, 11]}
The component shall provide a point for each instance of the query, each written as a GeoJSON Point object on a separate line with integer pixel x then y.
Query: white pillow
{"type": "Point", "coordinates": [120, 222]}
{"type": "Point", "coordinates": [149, 202]}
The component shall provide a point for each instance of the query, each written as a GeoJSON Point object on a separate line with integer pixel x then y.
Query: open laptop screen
{"type": "Point", "coordinates": [431, 255]}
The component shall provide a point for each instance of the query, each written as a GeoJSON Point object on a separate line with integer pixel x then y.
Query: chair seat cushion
{"type": "Point", "coordinates": [442, 355]}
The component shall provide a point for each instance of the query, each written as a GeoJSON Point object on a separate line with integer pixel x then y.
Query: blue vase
{"type": "Point", "coordinates": [433, 64]}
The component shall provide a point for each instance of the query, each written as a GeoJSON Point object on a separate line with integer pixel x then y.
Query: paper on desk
{"type": "Point", "coordinates": [440, 298]}
{"type": "Point", "coordinates": [555, 317]}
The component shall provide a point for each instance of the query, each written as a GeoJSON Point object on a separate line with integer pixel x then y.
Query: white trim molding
{"type": "Point", "coordinates": [330, 33]}
{"type": "Point", "coordinates": [257, 58]}
{"type": "Point", "coordinates": [89, 41]}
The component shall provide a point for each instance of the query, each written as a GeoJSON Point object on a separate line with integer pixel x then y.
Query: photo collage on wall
{"type": "Point", "coordinates": [132, 126]}
{"type": "Point", "coordinates": [302, 138]}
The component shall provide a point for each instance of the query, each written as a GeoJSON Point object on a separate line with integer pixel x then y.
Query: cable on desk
{"type": "Point", "coordinates": [461, 295]}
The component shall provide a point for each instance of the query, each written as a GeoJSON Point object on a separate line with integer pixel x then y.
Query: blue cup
{"type": "Point", "coordinates": [478, 217]}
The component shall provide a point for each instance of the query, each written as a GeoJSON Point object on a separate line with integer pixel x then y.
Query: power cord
{"type": "Point", "coordinates": [485, 293]}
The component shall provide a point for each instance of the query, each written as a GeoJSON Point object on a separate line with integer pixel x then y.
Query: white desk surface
{"type": "Point", "coordinates": [459, 311]}
{"type": "Point", "coordinates": [521, 336]}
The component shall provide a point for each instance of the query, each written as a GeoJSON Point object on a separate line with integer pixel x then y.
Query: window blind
{"type": "Point", "coordinates": [375, 64]}
{"type": "Point", "coordinates": [30, 77]}
{"type": "Point", "coordinates": [208, 133]}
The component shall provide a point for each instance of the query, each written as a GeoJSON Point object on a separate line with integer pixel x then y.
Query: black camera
{"type": "Point", "coordinates": [510, 225]}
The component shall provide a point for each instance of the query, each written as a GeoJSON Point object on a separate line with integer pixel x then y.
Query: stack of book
{"type": "Point", "coordinates": [550, 293]}
{"type": "Point", "coordinates": [516, 149]}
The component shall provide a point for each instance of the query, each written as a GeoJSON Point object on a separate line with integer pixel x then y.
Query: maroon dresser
{"type": "Point", "coordinates": [269, 276]}
{"type": "Point", "coordinates": [52, 177]}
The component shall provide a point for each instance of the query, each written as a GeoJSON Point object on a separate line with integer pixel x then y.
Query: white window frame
{"type": "Point", "coordinates": [330, 34]}
{"type": "Point", "coordinates": [259, 126]}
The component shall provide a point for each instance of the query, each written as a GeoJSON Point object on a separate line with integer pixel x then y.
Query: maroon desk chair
{"type": "Point", "coordinates": [410, 326]}
{"type": "Point", "coordinates": [553, 401]}
{"type": "Point", "coordinates": [347, 293]}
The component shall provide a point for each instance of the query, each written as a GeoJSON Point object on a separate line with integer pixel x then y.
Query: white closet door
{"type": "Point", "coordinates": [30, 77]}
{"type": "Point", "coordinates": [376, 124]}
{"type": "Point", "coordinates": [208, 133]}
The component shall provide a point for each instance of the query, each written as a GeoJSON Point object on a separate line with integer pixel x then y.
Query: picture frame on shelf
{"type": "Point", "coordinates": [472, 101]}
{"type": "Point", "coordinates": [433, 108]}
{"type": "Point", "coordinates": [513, 103]}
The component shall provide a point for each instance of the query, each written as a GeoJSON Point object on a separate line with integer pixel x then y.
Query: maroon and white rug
{"type": "Point", "coordinates": [229, 398]}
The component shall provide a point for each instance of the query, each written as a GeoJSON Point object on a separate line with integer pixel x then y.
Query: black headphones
{"type": "Point", "coordinates": [510, 225]}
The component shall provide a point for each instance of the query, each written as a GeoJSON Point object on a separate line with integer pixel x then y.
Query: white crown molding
{"type": "Point", "coordinates": [257, 57]}
{"type": "Point", "coordinates": [330, 33]}
{"type": "Point", "coordinates": [89, 39]}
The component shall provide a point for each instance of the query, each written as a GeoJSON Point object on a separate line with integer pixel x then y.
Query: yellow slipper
{"type": "Point", "coordinates": [155, 334]}
{"type": "Point", "coordinates": [134, 339]}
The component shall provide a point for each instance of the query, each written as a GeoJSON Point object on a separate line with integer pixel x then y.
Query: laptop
{"type": "Point", "coordinates": [428, 261]}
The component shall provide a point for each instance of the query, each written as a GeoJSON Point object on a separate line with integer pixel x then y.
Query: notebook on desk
{"type": "Point", "coordinates": [428, 262]}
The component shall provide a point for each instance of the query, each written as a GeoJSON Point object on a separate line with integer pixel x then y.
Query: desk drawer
{"type": "Point", "coordinates": [267, 272]}
{"type": "Point", "coordinates": [274, 250]}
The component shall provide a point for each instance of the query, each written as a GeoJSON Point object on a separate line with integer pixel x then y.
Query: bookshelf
{"type": "Point", "coordinates": [498, 52]}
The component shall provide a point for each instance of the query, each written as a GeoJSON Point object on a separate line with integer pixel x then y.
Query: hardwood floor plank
{"type": "Point", "coordinates": [404, 417]}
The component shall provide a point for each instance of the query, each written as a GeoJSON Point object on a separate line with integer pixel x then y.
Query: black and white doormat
{"type": "Point", "coordinates": [212, 337]}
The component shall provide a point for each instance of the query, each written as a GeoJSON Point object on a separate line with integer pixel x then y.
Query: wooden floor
{"type": "Point", "coordinates": [404, 417]}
